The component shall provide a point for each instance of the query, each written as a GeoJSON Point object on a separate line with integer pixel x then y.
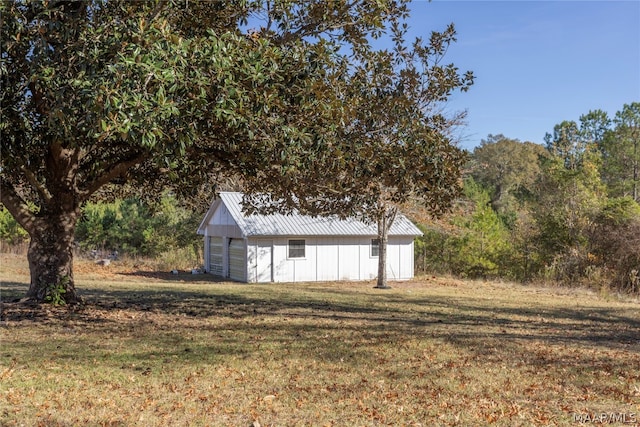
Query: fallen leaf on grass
{"type": "Point", "coordinates": [269, 398]}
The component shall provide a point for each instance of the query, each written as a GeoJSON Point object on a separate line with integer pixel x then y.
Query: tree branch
{"type": "Point", "coordinates": [41, 189]}
{"type": "Point", "coordinates": [156, 11]}
{"type": "Point", "coordinates": [310, 30]}
{"type": "Point", "coordinates": [16, 205]}
{"type": "Point", "coordinates": [117, 170]}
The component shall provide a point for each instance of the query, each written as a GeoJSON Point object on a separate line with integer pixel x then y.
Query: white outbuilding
{"type": "Point", "coordinates": [299, 248]}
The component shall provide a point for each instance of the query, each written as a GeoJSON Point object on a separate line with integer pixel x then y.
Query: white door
{"type": "Point", "coordinates": [264, 262]}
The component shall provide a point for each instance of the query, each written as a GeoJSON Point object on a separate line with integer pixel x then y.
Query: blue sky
{"type": "Point", "coordinates": [537, 63]}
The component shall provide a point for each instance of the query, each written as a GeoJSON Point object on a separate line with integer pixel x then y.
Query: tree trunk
{"type": "Point", "coordinates": [385, 220]}
{"type": "Point", "coordinates": [51, 260]}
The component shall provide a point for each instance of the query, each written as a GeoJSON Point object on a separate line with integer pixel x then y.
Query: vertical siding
{"type": "Point", "coordinates": [300, 266]}
{"type": "Point", "coordinates": [262, 260]}
{"type": "Point", "coordinates": [333, 253]}
{"type": "Point", "coordinates": [205, 243]}
{"type": "Point", "coordinates": [407, 269]}
{"type": "Point", "coordinates": [222, 224]}
{"type": "Point", "coordinates": [287, 269]}
{"type": "Point", "coordinates": [252, 260]}
{"type": "Point", "coordinates": [327, 259]}
{"type": "Point", "coordinates": [369, 263]}
{"type": "Point", "coordinates": [305, 269]}
{"type": "Point", "coordinates": [399, 259]}
{"type": "Point", "coordinates": [350, 262]}
{"type": "Point", "coordinates": [393, 259]}
{"type": "Point", "coordinates": [237, 260]}
{"type": "Point", "coordinates": [225, 256]}
{"type": "Point", "coordinates": [215, 255]}
{"type": "Point", "coordinates": [282, 268]}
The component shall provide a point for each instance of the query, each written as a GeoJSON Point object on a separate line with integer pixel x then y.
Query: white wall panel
{"type": "Point", "coordinates": [349, 259]}
{"type": "Point", "coordinates": [264, 261]}
{"type": "Point", "coordinates": [393, 260]}
{"type": "Point", "coordinates": [327, 259]}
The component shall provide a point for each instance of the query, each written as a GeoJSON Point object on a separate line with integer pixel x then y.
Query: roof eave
{"type": "Point", "coordinates": [207, 217]}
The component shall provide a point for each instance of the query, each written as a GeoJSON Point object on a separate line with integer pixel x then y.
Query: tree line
{"type": "Point", "coordinates": [566, 211]}
{"type": "Point", "coordinates": [130, 227]}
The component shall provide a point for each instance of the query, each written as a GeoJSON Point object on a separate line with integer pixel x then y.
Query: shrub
{"type": "Point", "coordinates": [11, 233]}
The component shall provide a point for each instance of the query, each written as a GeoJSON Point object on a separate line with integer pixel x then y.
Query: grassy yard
{"type": "Point", "coordinates": [162, 350]}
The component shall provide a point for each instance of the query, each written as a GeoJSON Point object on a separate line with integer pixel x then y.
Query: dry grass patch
{"type": "Point", "coordinates": [183, 351]}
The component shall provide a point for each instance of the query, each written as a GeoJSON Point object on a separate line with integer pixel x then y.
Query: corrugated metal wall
{"type": "Point", "coordinates": [215, 255]}
{"type": "Point", "coordinates": [238, 260]}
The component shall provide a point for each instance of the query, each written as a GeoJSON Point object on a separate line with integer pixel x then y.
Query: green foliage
{"type": "Point", "coordinates": [524, 261]}
{"type": "Point", "coordinates": [54, 292]}
{"type": "Point", "coordinates": [185, 258]}
{"type": "Point", "coordinates": [509, 169]}
{"type": "Point", "coordinates": [621, 150]}
{"type": "Point", "coordinates": [566, 143]}
{"type": "Point", "coordinates": [10, 231]}
{"type": "Point", "coordinates": [135, 228]}
{"type": "Point", "coordinates": [484, 238]}
{"type": "Point", "coordinates": [566, 214]}
{"type": "Point", "coordinates": [584, 237]}
{"type": "Point", "coordinates": [570, 197]}
{"type": "Point", "coordinates": [594, 127]}
{"type": "Point", "coordinates": [433, 251]}
{"type": "Point", "coordinates": [615, 241]}
{"type": "Point", "coordinates": [392, 145]}
{"type": "Point", "coordinates": [618, 211]}
{"type": "Point", "coordinates": [478, 244]}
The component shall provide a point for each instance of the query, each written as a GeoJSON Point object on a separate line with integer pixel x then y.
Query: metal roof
{"type": "Point", "coordinates": [303, 225]}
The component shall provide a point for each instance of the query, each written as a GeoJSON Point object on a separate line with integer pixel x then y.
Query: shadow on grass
{"type": "Point", "coordinates": [339, 325]}
{"type": "Point", "coordinates": [12, 291]}
{"type": "Point", "coordinates": [180, 276]}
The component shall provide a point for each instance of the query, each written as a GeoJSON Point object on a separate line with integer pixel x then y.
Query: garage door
{"type": "Point", "coordinates": [237, 260]}
{"type": "Point", "coordinates": [215, 255]}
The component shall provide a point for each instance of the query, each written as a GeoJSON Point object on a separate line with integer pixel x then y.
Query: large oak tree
{"type": "Point", "coordinates": [103, 93]}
